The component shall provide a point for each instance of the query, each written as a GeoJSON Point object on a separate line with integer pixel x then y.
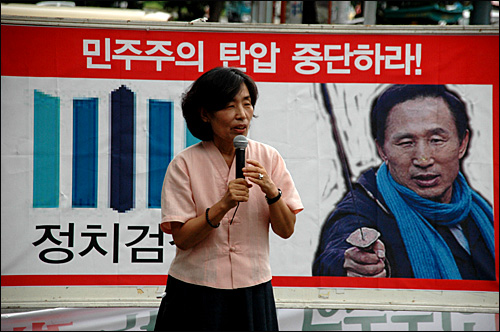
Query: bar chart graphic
{"type": "Point", "coordinates": [85, 149]}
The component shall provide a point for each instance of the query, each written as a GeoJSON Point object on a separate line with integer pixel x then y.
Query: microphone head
{"type": "Point", "coordinates": [240, 142]}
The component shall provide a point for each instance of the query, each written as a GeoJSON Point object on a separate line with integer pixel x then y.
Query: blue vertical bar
{"type": "Point", "coordinates": [190, 139]}
{"type": "Point", "coordinates": [85, 152]}
{"type": "Point", "coordinates": [160, 147]}
{"type": "Point", "coordinates": [122, 186]}
{"type": "Point", "coordinates": [46, 151]}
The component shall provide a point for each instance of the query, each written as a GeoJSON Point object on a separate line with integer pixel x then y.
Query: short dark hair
{"type": "Point", "coordinates": [399, 93]}
{"type": "Point", "coordinates": [211, 92]}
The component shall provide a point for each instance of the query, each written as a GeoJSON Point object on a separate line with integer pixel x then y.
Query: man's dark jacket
{"type": "Point", "coordinates": [373, 213]}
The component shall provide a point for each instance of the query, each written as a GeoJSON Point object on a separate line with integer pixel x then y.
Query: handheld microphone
{"type": "Point", "coordinates": [240, 143]}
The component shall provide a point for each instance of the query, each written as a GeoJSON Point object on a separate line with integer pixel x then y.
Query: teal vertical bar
{"type": "Point", "coordinates": [160, 147]}
{"type": "Point", "coordinates": [46, 151]}
{"type": "Point", "coordinates": [85, 124]}
{"type": "Point", "coordinates": [190, 139]}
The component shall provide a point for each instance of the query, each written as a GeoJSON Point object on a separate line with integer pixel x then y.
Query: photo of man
{"type": "Point", "coordinates": [426, 220]}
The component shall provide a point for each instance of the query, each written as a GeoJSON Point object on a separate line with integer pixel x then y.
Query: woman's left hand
{"type": "Point", "coordinates": [281, 217]}
{"type": "Point", "coordinates": [256, 173]}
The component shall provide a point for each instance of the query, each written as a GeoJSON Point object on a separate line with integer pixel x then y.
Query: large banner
{"type": "Point", "coordinates": [91, 118]}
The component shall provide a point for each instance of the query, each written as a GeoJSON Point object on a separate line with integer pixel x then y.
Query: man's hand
{"type": "Point", "coordinates": [367, 262]}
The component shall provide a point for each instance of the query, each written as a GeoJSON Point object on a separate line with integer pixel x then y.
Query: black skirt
{"type": "Point", "coordinates": [188, 307]}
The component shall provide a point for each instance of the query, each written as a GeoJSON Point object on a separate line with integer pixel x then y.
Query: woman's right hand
{"type": "Point", "coordinates": [238, 190]}
{"type": "Point", "coordinates": [189, 234]}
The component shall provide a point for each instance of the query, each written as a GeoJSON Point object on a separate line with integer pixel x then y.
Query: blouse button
{"type": "Point", "coordinates": [232, 249]}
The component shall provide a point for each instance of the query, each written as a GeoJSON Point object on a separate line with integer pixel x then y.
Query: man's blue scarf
{"type": "Point", "coordinates": [430, 256]}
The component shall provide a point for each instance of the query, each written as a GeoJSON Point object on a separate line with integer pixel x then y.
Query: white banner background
{"type": "Point", "coordinates": [291, 117]}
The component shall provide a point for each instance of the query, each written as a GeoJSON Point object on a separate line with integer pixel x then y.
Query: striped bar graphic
{"type": "Point", "coordinates": [46, 150]}
{"type": "Point", "coordinates": [85, 137]}
{"type": "Point", "coordinates": [122, 195]}
{"type": "Point", "coordinates": [160, 147]}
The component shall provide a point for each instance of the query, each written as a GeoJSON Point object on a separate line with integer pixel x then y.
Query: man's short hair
{"type": "Point", "coordinates": [399, 93]}
{"type": "Point", "coordinates": [211, 92]}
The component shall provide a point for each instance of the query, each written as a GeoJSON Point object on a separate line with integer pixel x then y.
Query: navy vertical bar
{"type": "Point", "coordinates": [85, 153]}
{"type": "Point", "coordinates": [122, 196]}
{"type": "Point", "coordinates": [160, 148]}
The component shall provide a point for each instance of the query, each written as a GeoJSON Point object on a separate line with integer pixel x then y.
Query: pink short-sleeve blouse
{"type": "Point", "coordinates": [232, 256]}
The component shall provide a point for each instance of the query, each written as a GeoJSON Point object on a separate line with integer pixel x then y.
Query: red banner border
{"type": "Point", "coordinates": [277, 281]}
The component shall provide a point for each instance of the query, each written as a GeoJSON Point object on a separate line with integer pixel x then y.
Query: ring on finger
{"type": "Point", "coordinates": [261, 176]}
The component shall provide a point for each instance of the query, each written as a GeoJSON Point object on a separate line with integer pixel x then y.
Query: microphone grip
{"type": "Point", "coordinates": [240, 163]}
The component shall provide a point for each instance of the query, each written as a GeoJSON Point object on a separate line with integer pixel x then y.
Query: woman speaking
{"type": "Point", "coordinates": [220, 278]}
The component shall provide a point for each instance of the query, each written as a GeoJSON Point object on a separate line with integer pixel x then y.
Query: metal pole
{"type": "Point", "coordinates": [342, 11]}
{"type": "Point", "coordinates": [481, 13]}
{"type": "Point", "coordinates": [269, 6]}
{"type": "Point", "coordinates": [283, 12]}
{"type": "Point", "coordinates": [255, 11]}
{"type": "Point", "coordinates": [329, 12]}
{"type": "Point", "coordinates": [262, 11]}
{"type": "Point", "coordinates": [370, 12]}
